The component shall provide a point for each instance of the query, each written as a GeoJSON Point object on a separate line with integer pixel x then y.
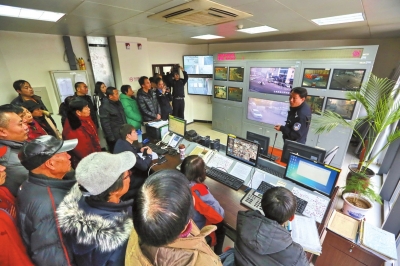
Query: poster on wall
{"type": "Point", "coordinates": [316, 103]}
{"type": "Point", "coordinates": [343, 107]}
{"type": "Point", "coordinates": [236, 74]}
{"type": "Point", "coordinates": [221, 73]}
{"type": "Point", "coordinates": [235, 94]}
{"type": "Point", "coordinates": [316, 77]}
{"type": "Point", "coordinates": [347, 79]}
{"type": "Point", "coordinates": [220, 92]}
{"type": "Point", "coordinates": [271, 80]}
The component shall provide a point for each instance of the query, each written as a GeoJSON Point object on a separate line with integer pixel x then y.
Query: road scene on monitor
{"type": "Point", "coordinates": [272, 80]}
{"type": "Point", "coordinates": [267, 111]}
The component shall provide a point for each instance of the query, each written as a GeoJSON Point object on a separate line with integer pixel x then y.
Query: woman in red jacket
{"type": "Point", "coordinates": [79, 125]}
{"type": "Point", "coordinates": [35, 130]}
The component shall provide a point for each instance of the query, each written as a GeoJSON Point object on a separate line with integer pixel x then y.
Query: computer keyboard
{"type": "Point", "coordinates": [224, 178]}
{"type": "Point", "coordinates": [269, 170]}
{"type": "Point", "coordinates": [269, 156]}
{"type": "Point", "coordinates": [157, 149]}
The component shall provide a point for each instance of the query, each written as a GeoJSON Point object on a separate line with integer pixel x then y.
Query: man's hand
{"type": "Point", "coordinates": [149, 151]}
{"type": "Point", "coordinates": [182, 68]}
{"type": "Point", "coordinates": [158, 116]}
{"type": "Point", "coordinates": [277, 128]}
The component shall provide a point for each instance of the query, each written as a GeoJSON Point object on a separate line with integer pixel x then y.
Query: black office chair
{"type": "Point", "coordinates": [330, 155]}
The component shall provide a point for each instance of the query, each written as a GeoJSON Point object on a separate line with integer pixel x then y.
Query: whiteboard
{"type": "Point", "coordinates": [64, 82]}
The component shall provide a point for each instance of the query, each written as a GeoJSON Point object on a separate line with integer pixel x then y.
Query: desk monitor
{"type": "Point", "coordinates": [262, 140]}
{"type": "Point", "coordinates": [312, 175]}
{"type": "Point", "coordinates": [177, 125]}
{"type": "Point", "coordinates": [312, 153]}
{"type": "Point", "coordinates": [242, 150]}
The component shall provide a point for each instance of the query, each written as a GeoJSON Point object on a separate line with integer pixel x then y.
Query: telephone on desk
{"type": "Point", "coordinates": [171, 139]}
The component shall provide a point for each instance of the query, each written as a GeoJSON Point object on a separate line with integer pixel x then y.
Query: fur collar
{"type": "Point", "coordinates": [92, 229]}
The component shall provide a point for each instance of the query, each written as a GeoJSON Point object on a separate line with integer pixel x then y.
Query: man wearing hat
{"type": "Point", "coordinates": [50, 179]}
{"type": "Point", "coordinates": [94, 220]}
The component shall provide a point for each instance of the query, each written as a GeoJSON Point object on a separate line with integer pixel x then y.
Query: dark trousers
{"type": "Point", "coordinates": [110, 145]}
{"type": "Point", "coordinates": [178, 108]}
{"type": "Point", "coordinates": [220, 237]}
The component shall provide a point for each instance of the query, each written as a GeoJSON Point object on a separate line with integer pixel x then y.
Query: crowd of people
{"type": "Point", "coordinates": [65, 201]}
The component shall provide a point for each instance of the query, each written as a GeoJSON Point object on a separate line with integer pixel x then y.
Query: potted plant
{"type": "Point", "coordinates": [379, 97]}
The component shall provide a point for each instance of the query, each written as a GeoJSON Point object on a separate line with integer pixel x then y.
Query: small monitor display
{"type": "Point", "coordinates": [316, 77]}
{"type": "Point", "coordinates": [235, 94]}
{"type": "Point", "coordinates": [343, 107]}
{"type": "Point", "coordinates": [177, 125]}
{"type": "Point", "coordinates": [347, 79]}
{"type": "Point", "coordinates": [309, 174]}
{"type": "Point", "coordinates": [220, 92]}
{"type": "Point", "coordinates": [316, 103]}
{"type": "Point", "coordinates": [242, 150]}
{"type": "Point", "coordinates": [200, 86]}
{"type": "Point", "coordinates": [198, 64]}
{"type": "Point", "coordinates": [262, 140]}
{"type": "Point", "coordinates": [236, 74]}
{"type": "Point", "coordinates": [272, 80]}
{"type": "Point", "coordinates": [267, 111]}
{"type": "Point", "coordinates": [312, 153]}
{"type": "Point", "coordinates": [220, 73]}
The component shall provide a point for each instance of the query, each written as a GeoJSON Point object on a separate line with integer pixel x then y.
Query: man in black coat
{"type": "Point", "coordinates": [147, 101]}
{"type": "Point", "coordinates": [178, 92]}
{"type": "Point", "coordinates": [82, 92]}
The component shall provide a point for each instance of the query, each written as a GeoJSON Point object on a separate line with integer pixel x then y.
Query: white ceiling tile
{"type": "Point", "coordinates": [99, 11]}
{"type": "Point", "coordinates": [61, 6]}
{"type": "Point", "coordinates": [24, 25]}
{"type": "Point", "coordinates": [132, 4]}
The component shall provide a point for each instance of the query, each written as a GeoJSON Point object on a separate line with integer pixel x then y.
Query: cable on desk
{"type": "Point", "coordinates": [148, 173]}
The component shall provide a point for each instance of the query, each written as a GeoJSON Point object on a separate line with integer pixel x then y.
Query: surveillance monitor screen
{"type": "Point", "coordinates": [316, 103]}
{"type": "Point", "coordinates": [198, 64]}
{"type": "Point", "coordinates": [236, 74]}
{"type": "Point", "coordinates": [272, 80]}
{"type": "Point", "coordinates": [347, 79]}
{"type": "Point", "coordinates": [235, 94]}
{"type": "Point", "coordinates": [220, 92]}
{"type": "Point", "coordinates": [267, 111]}
{"type": "Point", "coordinates": [220, 73]}
{"type": "Point", "coordinates": [312, 153]}
{"type": "Point", "coordinates": [316, 77]}
{"type": "Point", "coordinates": [243, 150]}
{"type": "Point", "coordinates": [200, 86]}
{"type": "Point", "coordinates": [343, 107]}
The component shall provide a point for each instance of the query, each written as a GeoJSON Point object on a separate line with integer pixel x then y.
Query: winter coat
{"type": "Point", "coordinates": [165, 106]}
{"type": "Point", "coordinates": [192, 250]}
{"type": "Point", "coordinates": [37, 200]}
{"type": "Point", "coordinates": [297, 123]}
{"type": "Point", "coordinates": [93, 113]}
{"type": "Point", "coordinates": [16, 172]}
{"type": "Point", "coordinates": [112, 117]}
{"type": "Point", "coordinates": [261, 241]}
{"type": "Point", "coordinates": [131, 108]}
{"type": "Point", "coordinates": [96, 232]}
{"type": "Point", "coordinates": [50, 129]}
{"type": "Point", "coordinates": [35, 130]}
{"type": "Point", "coordinates": [148, 105]}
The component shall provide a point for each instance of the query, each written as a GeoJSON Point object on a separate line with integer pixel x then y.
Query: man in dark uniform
{"type": "Point", "coordinates": [299, 117]}
{"type": "Point", "coordinates": [178, 92]}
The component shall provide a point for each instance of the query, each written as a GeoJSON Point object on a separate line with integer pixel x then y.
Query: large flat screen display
{"type": "Point", "coordinates": [267, 111]}
{"type": "Point", "coordinates": [272, 80]}
{"type": "Point", "coordinates": [198, 64]}
{"type": "Point", "coordinates": [316, 77]}
{"type": "Point", "coordinates": [242, 150]}
{"type": "Point", "coordinates": [343, 107]}
{"type": "Point", "coordinates": [200, 86]}
{"type": "Point", "coordinates": [347, 79]}
{"type": "Point", "coordinates": [316, 103]}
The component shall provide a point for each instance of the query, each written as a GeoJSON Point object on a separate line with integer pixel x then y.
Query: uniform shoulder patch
{"type": "Point", "coordinates": [296, 126]}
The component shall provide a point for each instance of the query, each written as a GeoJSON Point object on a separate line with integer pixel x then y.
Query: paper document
{"type": "Point", "coordinates": [378, 240]}
{"type": "Point", "coordinates": [316, 206]}
{"type": "Point", "coordinates": [200, 150]}
{"type": "Point", "coordinates": [241, 171]}
{"type": "Point", "coordinates": [258, 177]}
{"type": "Point", "coordinates": [158, 123]}
{"type": "Point", "coordinates": [305, 233]}
{"type": "Point", "coordinates": [153, 155]}
{"type": "Point", "coordinates": [343, 225]}
{"type": "Point", "coordinates": [220, 161]}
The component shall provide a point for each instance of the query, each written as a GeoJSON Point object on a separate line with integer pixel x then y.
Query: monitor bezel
{"type": "Point", "coordinates": [301, 146]}
{"type": "Point", "coordinates": [184, 129]}
{"type": "Point", "coordinates": [262, 137]}
{"type": "Point", "coordinates": [329, 195]}
{"type": "Point", "coordinates": [316, 87]}
{"type": "Point", "coordinates": [226, 68]}
{"type": "Point", "coordinates": [197, 77]}
{"type": "Point", "coordinates": [346, 69]}
{"type": "Point", "coordinates": [183, 60]}
{"type": "Point", "coordinates": [352, 113]}
{"type": "Point", "coordinates": [239, 159]}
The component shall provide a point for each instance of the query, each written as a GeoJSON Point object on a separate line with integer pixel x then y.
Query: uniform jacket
{"type": "Point", "coordinates": [132, 112]}
{"type": "Point", "coordinates": [35, 130]}
{"type": "Point", "coordinates": [297, 123]}
{"type": "Point", "coordinates": [97, 233]}
{"type": "Point", "coordinates": [165, 106]}
{"type": "Point", "coordinates": [16, 172]}
{"type": "Point", "coordinates": [190, 251]}
{"type": "Point", "coordinates": [37, 200]}
{"type": "Point", "coordinates": [148, 105]}
{"type": "Point", "coordinates": [261, 241]}
{"type": "Point", "coordinates": [93, 113]}
{"type": "Point", "coordinates": [178, 85]}
{"type": "Point", "coordinates": [112, 117]}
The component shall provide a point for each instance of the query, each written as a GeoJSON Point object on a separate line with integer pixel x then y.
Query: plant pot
{"type": "Point", "coordinates": [353, 171]}
{"type": "Point", "coordinates": [354, 211]}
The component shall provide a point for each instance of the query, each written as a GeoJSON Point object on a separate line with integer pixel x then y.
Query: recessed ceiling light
{"type": "Point", "coordinates": [339, 19]}
{"type": "Point", "coordinates": [10, 11]}
{"type": "Point", "coordinates": [207, 37]}
{"type": "Point", "coordinates": [259, 29]}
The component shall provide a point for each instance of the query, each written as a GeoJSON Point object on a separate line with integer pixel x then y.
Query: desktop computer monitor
{"type": "Point", "coordinates": [243, 150]}
{"type": "Point", "coordinates": [262, 140]}
{"type": "Point", "coordinates": [177, 125]}
{"type": "Point", "coordinates": [312, 175]}
{"type": "Point", "coordinates": [312, 153]}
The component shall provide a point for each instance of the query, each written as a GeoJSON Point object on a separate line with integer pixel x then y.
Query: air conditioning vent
{"type": "Point", "coordinates": [200, 13]}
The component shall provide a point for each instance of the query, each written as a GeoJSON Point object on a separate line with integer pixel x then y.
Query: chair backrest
{"type": "Point", "coordinates": [330, 155]}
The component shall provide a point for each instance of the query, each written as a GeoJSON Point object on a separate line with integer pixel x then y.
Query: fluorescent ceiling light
{"type": "Point", "coordinates": [207, 37]}
{"type": "Point", "coordinates": [255, 30]}
{"type": "Point", "coordinates": [339, 19]}
{"type": "Point", "coordinates": [17, 12]}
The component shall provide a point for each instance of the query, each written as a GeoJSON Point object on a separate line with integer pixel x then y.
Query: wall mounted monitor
{"type": "Point", "coordinates": [198, 64]}
{"type": "Point", "coordinates": [199, 86]}
{"type": "Point", "coordinates": [347, 79]}
{"type": "Point", "coordinates": [343, 107]}
{"type": "Point", "coordinates": [236, 74]}
{"type": "Point", "coordinates": [315, 103]}
{"type": "Point", "coordinates": [235, 94]}
{"type": "Point", "coordinates": [243, 150]}
{"type": "Point", "coordinates": [221, 73]}
{"type": "Point", "coordinates": [272, 80]}
{"type": "Point", "coordinates": [177, 125]}
{"type": "Point", "coordinates": [312, 153]}
{"type": "Point", "coordinates": [220, 92]}
{"type": "Point", "coordinates": [267, 111]}
{"type": "Point", "coordinates": [260, 139]}
{"type": "Point", "coordinates": [312, 175]}
{"type": "Point", "coordinates": [316, 77]}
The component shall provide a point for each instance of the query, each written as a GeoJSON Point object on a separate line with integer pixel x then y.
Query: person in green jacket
{"type": "Point", "coordinates": [128, 100]}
